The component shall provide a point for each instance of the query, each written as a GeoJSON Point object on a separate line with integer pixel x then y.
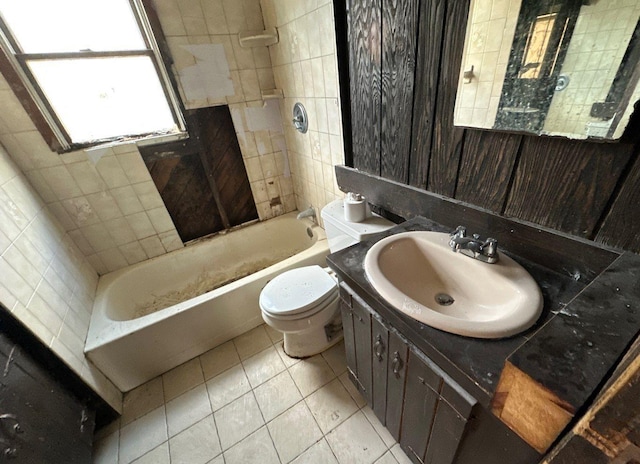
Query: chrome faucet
{"type": "Point", "coordinates": [474, 247]}
{"type": "Point", "coordinates": [309, 212]}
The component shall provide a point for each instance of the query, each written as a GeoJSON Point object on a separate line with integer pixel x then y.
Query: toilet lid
{"type": "Point", "coordinates": [297, 291]}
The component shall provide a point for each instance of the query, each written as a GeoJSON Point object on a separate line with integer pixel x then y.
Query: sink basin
{"type": "Point", "coordinates": [418, 274]}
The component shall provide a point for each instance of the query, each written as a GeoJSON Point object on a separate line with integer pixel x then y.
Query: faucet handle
{"type": "Point", "coordinates": [461, 231]}
{"type": "Point", "coordinates": [490, 247]}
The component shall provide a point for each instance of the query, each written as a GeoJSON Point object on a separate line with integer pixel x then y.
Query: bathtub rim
{"type": "Point", "coordinates": [104, 330]}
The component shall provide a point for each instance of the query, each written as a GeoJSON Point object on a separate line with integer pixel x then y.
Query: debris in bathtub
{"type": "Point", "coordinates": [203, 283]}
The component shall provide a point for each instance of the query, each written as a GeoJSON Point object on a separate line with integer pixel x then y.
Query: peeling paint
{"type": "Point", "coordinates": [210, 76]}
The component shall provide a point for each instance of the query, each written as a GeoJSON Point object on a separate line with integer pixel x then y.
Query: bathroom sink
{"type": "Point", "coordinates": [419, 275]}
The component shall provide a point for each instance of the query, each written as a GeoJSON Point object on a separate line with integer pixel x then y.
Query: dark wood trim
{"type": "Point", "coordinates": [342, 55]}
{"type": "Point", "coordinates": [29, 105]}
{"type": "Point", "coordinates": [555, 250]}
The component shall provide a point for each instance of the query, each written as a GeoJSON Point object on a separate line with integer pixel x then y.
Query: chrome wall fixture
{"type": "Point", "coordinates": [300, 120]}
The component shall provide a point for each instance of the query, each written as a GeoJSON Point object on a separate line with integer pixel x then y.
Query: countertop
{"type": "Point", "coordinates": [583, 332]}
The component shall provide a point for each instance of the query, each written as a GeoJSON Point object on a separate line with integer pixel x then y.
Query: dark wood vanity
{"type": "Point", "coordinates": [453, 399]}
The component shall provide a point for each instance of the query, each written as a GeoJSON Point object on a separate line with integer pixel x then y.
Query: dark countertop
{"type": "Point", "coordinates": [584, 329]}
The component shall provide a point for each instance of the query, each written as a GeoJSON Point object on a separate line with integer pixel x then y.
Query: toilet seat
{"type": "Point", "coordinates": [298, 293]}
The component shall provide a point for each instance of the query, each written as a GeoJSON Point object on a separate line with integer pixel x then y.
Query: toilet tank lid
{"type": "Point", "coordinates": [333, 213]}
{"type": "Point", "coordinates": [297, 290]}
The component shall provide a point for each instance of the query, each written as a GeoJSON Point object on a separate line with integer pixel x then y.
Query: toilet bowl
{"type": "Point", "coordinates": [303, 303]}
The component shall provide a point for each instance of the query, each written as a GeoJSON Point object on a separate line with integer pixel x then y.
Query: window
{"type": "Point", "coordinates": [92, 68]}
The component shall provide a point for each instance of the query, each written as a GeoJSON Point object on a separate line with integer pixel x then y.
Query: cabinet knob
{"type": "Point", "coordinates": [378, 348]}
{"type": "Point", "coordinates": [396, 364]}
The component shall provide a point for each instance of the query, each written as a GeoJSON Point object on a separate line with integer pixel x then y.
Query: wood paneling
{"type": "Point", "coordinates": [202, 180]}
{"type": "Point", "coordinates": [446, 145]}
{"type": "Point", "coordinates": [486, 168]}
{"type": "Point", "coordinates": [365, 61]}
{"type": "Point", "coordinates": [431, 27]}
{"type": "Point", "coordinates": [227, 169]}
{"type": "Point", "coordinates": [564, 184]}
{"type": "Point", "coordinates": [588, 189]}
{"type": "Point", "coordinates": [622, 223]}
{"type": "Point", "coordinates": [399, 34]}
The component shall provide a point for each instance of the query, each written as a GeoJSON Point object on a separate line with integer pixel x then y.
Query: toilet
{"type": "Point", "coordinates": [303, 303]}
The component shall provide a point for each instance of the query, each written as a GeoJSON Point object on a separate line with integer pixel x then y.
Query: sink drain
{"type": "Point", "coordinates": [444, 300]}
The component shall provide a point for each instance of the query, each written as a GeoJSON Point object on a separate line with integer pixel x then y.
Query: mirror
{"type": "Point", "coordinates": [551, 67]}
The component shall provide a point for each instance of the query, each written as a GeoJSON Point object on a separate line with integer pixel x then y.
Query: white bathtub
{"type": "Point", "coordinates": [131, 348]}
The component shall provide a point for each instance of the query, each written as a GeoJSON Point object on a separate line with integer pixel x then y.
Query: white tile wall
{"type": "Point", "coordinates": [244, 72]}
{"type": "Point", "coordinates": [46, 283]}
{"type": "Point", "coordinates": [107, 205]}
{"type": "Point", "coordinates": [488, 53]}
{"type": "Point", "coordinates": [599, 41]}
{"type": "Point", "coordinates": [305, 68]}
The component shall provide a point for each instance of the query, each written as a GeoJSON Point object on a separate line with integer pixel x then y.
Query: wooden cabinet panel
{"type": "Point", "coordinates": [362, 340]}
{"type": "Point", "coordinates": [421, 406]}
{"type": "Point", "coordinates": [380, 340]}
{"type": "Point", "coordinates": [398, 353]}
{"type": "Point", "coordinates": [418, 414]}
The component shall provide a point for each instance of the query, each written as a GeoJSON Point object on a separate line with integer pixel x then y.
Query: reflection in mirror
{"type": "Point", "coordinates": [552, 67]}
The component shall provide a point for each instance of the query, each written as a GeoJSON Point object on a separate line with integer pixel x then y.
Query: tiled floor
{"type": "Point", "coordinates": [247, 402]}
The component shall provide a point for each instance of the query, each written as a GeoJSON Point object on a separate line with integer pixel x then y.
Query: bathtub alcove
{"type": "Point", "coordinates": [152, 316]}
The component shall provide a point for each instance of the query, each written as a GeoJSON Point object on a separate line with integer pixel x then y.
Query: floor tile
{"type": "Point", "coordinates": [187, 409]}
{"type": "Point", "coordinates": [142, 435]}
{"type": "Point", "coordinates": [263, 366]}
{"type": "Point", "coordinates": [277, 395]}
{"type": "Point", "coordinates": [294, 431]}
{"type": "Point", "coordinates": [331, 405]}
{"type": "Point", "coordinates": [355, 441]}
{"type": "Point", "coordinates": [311, 374]}
{"type": "Point", "coordinates": [159, 455]}
{"type": "Point", "coordinates": [219, 359]}
{"type": "Point", "coordinates": [318, 453]}
{"type": "Point", "coordinates": [257, 448]}
{"type": "Point", "coordinates": [217, 460]}
{"type": "Point", "coordinates": [227, 387]}
{"type": "Point", "coordinates": [142, 400]}
{"type": "Point", "coordinates": [400, 455]}
{"type": "Point", "coordinates": [181, 379]}
{"type": "Point", "coordinates": [353, 391]}
{"type": "Point", "coordinates": [196, 445]}
{"type": "Point", "coordinates": [380, 429]}
{"type": "Point", "coordinates": [252, 342]}
{"type": "Point", "coordinates": [237, 420]}
{"type": "Point", "coordinates": [335, 357]}
{"type": "Point", "coordinates": [387, 458]}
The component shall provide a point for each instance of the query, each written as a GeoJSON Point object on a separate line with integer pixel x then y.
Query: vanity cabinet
{"type": "Point", "coordinates": [425, 410]}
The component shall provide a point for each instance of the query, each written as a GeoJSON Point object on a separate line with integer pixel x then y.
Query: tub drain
{"type": "Point", "coordinates": [444, 300]}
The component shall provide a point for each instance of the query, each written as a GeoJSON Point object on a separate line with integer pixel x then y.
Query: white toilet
{"type": "Point", "coordinates": [303, 303]}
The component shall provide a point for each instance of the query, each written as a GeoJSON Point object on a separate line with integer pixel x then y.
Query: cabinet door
{"type": "Point", "coordinates": [380, 340]}
{"type": "Point", "coordinates": [397, 369]}
{"type": "Point", "coordinates": [362, 339]}
{"type": "Point", "coordinates": [421, 401]}
{"type": "Point", "coordinates": [349, 341]}
{"type": "Point", "coordinates": [435, 413]}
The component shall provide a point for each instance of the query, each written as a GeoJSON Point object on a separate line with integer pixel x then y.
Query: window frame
{"type": "Point", "coordinates": [40, 110]}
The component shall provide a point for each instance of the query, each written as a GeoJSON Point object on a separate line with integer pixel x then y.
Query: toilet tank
{"type": "Point", "coordinates": [342, 233]}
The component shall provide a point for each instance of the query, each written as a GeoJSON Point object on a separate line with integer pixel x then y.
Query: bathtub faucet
{"type": "Point", "coordinates": [309, 212]}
